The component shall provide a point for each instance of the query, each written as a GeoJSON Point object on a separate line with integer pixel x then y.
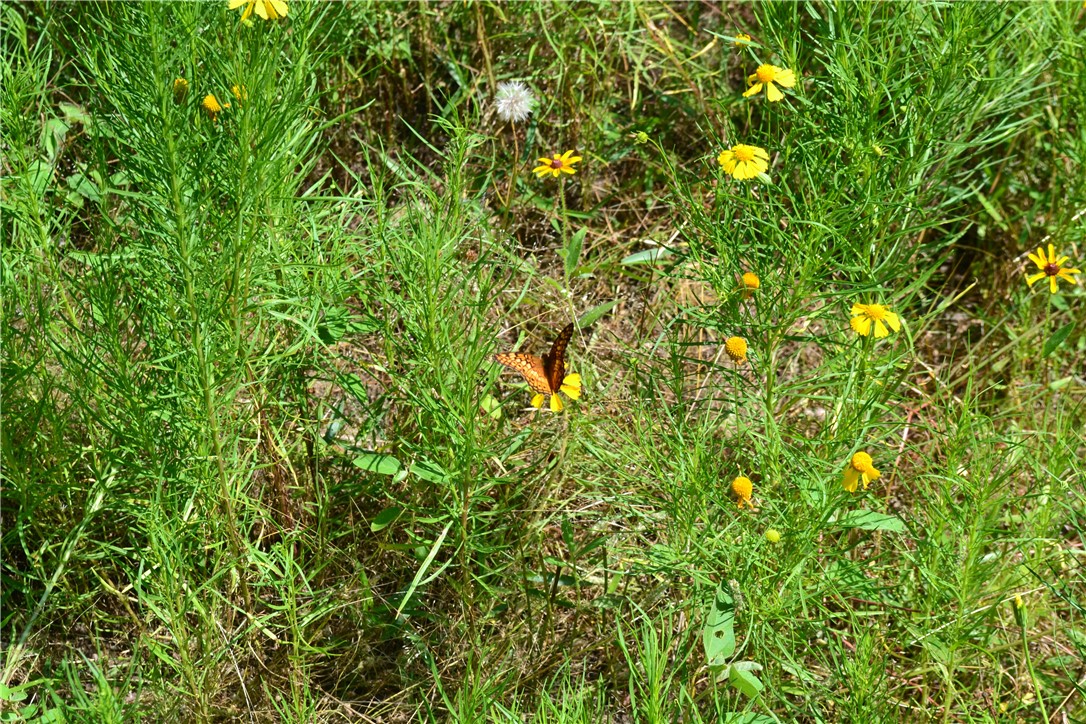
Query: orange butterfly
{"type": "Point", "coordinates": [546, 375]}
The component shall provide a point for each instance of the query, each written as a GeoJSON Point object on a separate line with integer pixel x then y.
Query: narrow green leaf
{"type": "Point", "coordinates": [870, 520]}
{"type": "Point", "coordinates": [573, 251]}
{"type": "Point", "coordinates": [589, 318]}
{"type": "Point", "coordinates": [386, 517]}
{"type": "Point", "coordinates": [1057, 338]}
{"type": "Point", "coordinates": [378, 463]}
{"type": "Point", "coordinates": [648, 256]}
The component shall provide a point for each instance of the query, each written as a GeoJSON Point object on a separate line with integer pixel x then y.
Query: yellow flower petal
{"type": "Point", "coordinates": [1037, 259]}
{"type": "Point", "coordinates": [893, 320]}
{"type": "Point", "coordinates": [773, 93]}
{"type": "Point", "coordinates": [537, 401]}
{"type": "Point", "coordinates": [261, 9]}
{"type": "Point", "coordinates": [850, 478]}
{"type": "Point", "coordinates": [235, 4]}
{"type": "Point", "coordinates": [861, 325]}
{"type": "Point", "coordinates": [1053, 285]}
{"type": "Point", "coordinates": [556, 403]}
{"type": "Point", "coordinates": [753, 90]}
{"type": "Point", "coordinates": [280, 7]}
{"type": "Point", "coordinates": [880, 329]}
{"type": "Point", "coordinates": [1034, 278]}
{"type": "Point", "coordinates": [786, 78]}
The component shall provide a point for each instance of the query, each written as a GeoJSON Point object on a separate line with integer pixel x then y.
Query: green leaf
{"type": "Point", "coordinates": [429, 470]}
{"type": "Point", "coordinates": [1057, 338]}
{"type": "Point", "coordinates": [378, 463]}
{"type": "Point", "coordinates": [718, 636]}
{"type": "Point", "coordinates": [334, 325]}
{"type": "Point", "coordinates": [589, 318]}
{"type": "Point", "coordinates": [648, 256]}
{"type": "Point", "coordinates": [573, 251]}
{"type": "Point", "coordinates": [870, 520]}
{"type": "Point", "coordinates": [490, 406]}
{"type": "Point", "coordinates": [745, 681]}
{"type": "Point", "coordinates": [386, 517]}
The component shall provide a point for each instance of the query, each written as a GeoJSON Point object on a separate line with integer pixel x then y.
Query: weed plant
{"type": "Point", "coordinates": [259, 462]}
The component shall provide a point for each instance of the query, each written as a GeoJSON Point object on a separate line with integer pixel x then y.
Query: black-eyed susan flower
{"type": "Point", "coordinates": [266, 9]}
{"type": "Point", "coordinates": [866, 316]}
{"type": "Point", "coordinates": [180, 90]}
{"type": "Point", "coordinates": [743, 489]}
{"type": "Point", "coordinates": [1051, 267]}
{"type": "Point", "coordinates": [750, 284]}
{"type": "Point", "coordinates": [556, 165]}
{"type": "Point", "coordinates": [736, 348]}
{"type": "Point", "coordinates": [744, 162]}
{"type": "Point", "coordinates": [212, 106]}
{"type": "Point", "coordinates": [514, 101]}
{"type": "Point", "coordinates": [571, 385]}
{"type": "Point", "coordinates": [768, 76]}
{"type": "Point", "coordinates": [741, 40]}
{"type": "Point", "coordinates": [860, 468]}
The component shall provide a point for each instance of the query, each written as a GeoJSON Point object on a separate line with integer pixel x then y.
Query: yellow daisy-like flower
{"type": "Point", "coordinates": [767, 75]}
{"type": "Point", "coordinates": [866, 316]}
{"type": "Point", "coordinates": [743, 489]}
{"type": "Point", "coordinates": [556, 165]}
{"type": "Point", "coordinates": [571, 385]}
{"type": "Point", "coordinates": [744, 162]}
{"type": "Point", "coordinates": [212, 106]}
{"type": "Point", "coordinates": [1051, 267]}
{"type": "Point", "coordinates": [266, 9]}
{"type": "Point", "coordinates": [736, 348]}
{"type": "Point", "coordinates": [180, 90]}
{"type": "Point", "coordinates": [750, 284]}
{"type": "Point", "coordinates": [860, 468]}
{"type": "Point", "coordinates": [741, 40]}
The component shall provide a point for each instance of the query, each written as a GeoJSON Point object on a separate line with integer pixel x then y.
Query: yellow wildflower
{"type": "Point", "coordinates": [750, 284]}
{"type": "Point", "coordinates": [773, 535]}
{"type": "Point", "coordinates": [744, 162]}
{"type": "Point", "coordinates": [743, 489]}
{"type": "Point", "coordinates": [556, 165]}
{"type": "Point", "coordinates": [860, 468]}
{"type": "Point", "coordinates": [864, 316]}
{"type": "Point", "coordinates": [571, 385]}
{"type": "Point", "coordinates": [266, 9]}
{"type": "Point", "coordinates": [736, 348]}
{"type": "Point", "coordinates": [212, 106]}
{"type": "Point", "coordinates": [767, 75]}
{"type": "Point", "coordinates": [180, 90]}
{"type": "Point", "coordinates": [240, 92]}
{"type": "Point", "coordinates": [1051, 267]}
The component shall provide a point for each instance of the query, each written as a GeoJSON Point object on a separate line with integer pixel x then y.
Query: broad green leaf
{"type": "Point", "coordinates": [386, 517]}
{"type": "Point", "coordinates": [718, 636]}
{"type": "Point", "coordinates": [870, 520]}
{"type": "Point", "coordinates": [378, 463]}
{"type": "Point", "coordinates": [490, 406]}
{"type": "Point", "coordinates": [745, 681]}
{"type": "Point", "coordinates": [1057, 338]}
{"type": "Point", "coordinates": [589, 318]}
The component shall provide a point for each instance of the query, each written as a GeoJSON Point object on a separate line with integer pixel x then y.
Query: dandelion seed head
{"type": "Point", "coordinates": [514, 101]}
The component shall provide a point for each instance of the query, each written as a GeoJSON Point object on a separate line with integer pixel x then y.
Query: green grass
{"type": "Point", "coordinates": [259, 463]}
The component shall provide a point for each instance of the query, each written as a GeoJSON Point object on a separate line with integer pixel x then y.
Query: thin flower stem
{"type": "Point", "coordinates": [508, 203]}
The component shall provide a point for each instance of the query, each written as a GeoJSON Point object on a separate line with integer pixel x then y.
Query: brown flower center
{"type": "Point", "coordinates": [557, 163]}
{"type": "Point", "coordinates": [1052, 269]}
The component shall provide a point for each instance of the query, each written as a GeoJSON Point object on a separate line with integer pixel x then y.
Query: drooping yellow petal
{"type": "Point", "coordinates": [880, 329]}
{"type": "Point", "coordinates": [893, 320]}
{"type": "Point", "coordinates": [786, 78]}
{"type": "Point", "coordinates": [537, 401]}
{"type": "Point", "coordinates": [773, 93]}
{"type": "Point", "coordinates": [858, 309]}
{"type": "Point", "coordinates": [261, 9]}
{"type": "Point", "coordinates": [850, 478]}
{"type": "Point", "coordinates": [279, 7]}
{"type": "Point", "coordinates": [861, 325]}
{"type": "Point", "coordinates": [1052, 283]}
{"type": "Point", "coordinates": [556, 403]}
{"type": "Point", "coordinates": [753, 90]}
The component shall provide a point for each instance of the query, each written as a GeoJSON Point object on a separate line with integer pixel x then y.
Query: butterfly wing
{"type": "Point", "coordinates": [530, 367]}
{"type": "Point", "coordinates": [554, 362]}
